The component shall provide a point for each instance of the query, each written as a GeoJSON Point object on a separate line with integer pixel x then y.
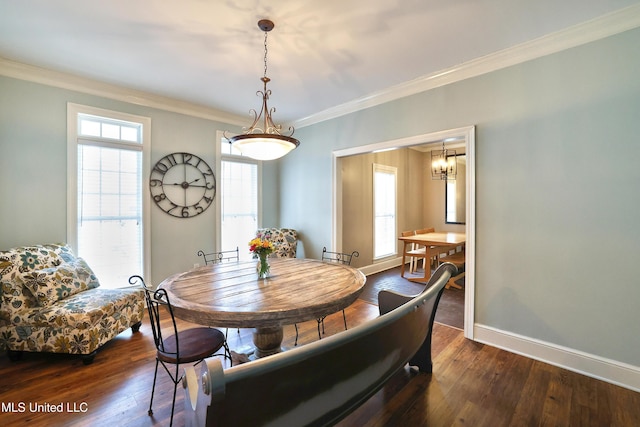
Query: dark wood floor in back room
{"type": "Point", "coordinates": [450, 309]}
{"type": "Point", "coordinates": [472, 384]}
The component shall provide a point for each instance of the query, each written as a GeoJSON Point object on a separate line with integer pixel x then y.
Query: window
{"type": "Point", "coordinates": [226, 149]}
{"type": "Point", "coordinates": [107, 204]}
{"type": "Point", "coordinates": [240, 200]}
{"type": "Point", "coordinates": [384, 211]}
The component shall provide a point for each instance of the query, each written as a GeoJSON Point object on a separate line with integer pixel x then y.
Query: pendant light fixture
{"type": "Point", "coordinates": [444, 164]}
{"type": "Point", "coordinates": [263, 140]}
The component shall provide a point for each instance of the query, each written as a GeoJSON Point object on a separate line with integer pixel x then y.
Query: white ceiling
{"type": "Point", "coordinates": [321, 53]}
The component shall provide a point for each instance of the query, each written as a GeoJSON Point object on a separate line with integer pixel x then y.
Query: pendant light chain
{"type": "Point", "coordinates": [265, 53]}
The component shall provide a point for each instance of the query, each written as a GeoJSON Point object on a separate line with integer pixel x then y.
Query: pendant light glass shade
{"type": "Point", "coordinates": [264, 146]}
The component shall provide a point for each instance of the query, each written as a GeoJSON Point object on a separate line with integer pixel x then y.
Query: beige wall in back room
{"type": "Point", "coordinates": [420, 199]}
{"type": "Point", "coordinates": [357, 197]}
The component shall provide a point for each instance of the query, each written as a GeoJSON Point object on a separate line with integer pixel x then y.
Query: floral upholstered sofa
{"type": "Point", "coordinates": [50, 301]}
{"type": "Point", "coordinates": [285, 241]}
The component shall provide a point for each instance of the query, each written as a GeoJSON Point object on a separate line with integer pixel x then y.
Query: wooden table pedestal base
{"type": "Point", "coordinates": [268, 341]}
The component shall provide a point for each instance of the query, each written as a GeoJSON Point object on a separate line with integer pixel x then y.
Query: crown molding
{"type": "Point", "coordinates": [62, 80]}
{"type": "Point", "coordinates": [595, 29]}
{"type": "Point", "coordinates": [589, 31]}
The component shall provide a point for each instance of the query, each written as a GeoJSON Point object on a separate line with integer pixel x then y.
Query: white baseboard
{"type": "Point", "coordinates": [611, 371]}
{"type": "Point", "coordinates": [380, 266]}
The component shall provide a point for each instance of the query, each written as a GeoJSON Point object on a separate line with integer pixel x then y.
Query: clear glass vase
{"type": "Point", "coordinates": [263, 266]}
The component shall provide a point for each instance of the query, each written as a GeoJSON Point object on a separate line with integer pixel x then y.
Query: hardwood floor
{"type": "Point", "coordinates": [450, 309]}
{"type": "Point", "coordinates": [472, 384]}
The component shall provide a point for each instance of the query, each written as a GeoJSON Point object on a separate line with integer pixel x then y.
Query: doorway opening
{"type": "Point", "coordinates": [463, 138]}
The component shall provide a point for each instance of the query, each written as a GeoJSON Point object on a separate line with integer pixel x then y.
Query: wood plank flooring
{"type": "Point", "coordinates": [472, 384]}
{"type": "Point", "coordinates": [450, 309]}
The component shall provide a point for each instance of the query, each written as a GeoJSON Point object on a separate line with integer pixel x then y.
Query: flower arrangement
{"type": "Point", "coordinates": [261, 249]}
{"type": "Point", "coordinates": [259, 246]}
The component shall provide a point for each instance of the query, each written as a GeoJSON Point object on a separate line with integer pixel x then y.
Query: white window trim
{"type": "Point", "coordinates": [72, 175]}
{"type": "Point", "coordinates": [217, 202]}
{"type": "Point", "coordinates": [392, 170]}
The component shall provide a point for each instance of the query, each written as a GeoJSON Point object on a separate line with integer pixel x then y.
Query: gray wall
{"type": "Point", "coordinates": [33, 172]}
{"type": "Point", "coordinates": [557, 181]}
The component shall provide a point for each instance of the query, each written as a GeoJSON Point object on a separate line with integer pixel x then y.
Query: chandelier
{"type": "Point", "coordinates": [263, 140]}
{"type": "Point", "coordinates": [443, 164]}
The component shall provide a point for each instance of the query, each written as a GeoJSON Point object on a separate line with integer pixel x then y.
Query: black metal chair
{"type": "Point", "coordinates": [341, 258]}
{"type": "Point", "coordinates": [186, 346]}
{"type": "Point", "coordinates": [218, 257]}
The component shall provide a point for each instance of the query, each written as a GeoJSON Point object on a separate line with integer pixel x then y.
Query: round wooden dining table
{"type": "Point", "coordinates": [231, 295]}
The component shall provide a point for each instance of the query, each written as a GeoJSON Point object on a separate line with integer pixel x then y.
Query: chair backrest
{"type": "Point", "coordinates": [285, 241]}
{"type": "Point", "coordinates": [426, 230]}
{"type": "Point", "coordinates": [412, 246]}
{"type": "Point", "coordinates": [342, 258]}
{"type": "Point", "coordinates": [218, 257]}
{"type": "Point", "coordinates": [155, 300]}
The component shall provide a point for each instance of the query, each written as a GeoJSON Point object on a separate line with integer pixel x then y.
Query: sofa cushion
{"type": "Point", "coordinates": [33, 257]}
{"type": "Point", "coordinates": [83, 310]}
{"type": "Point", "coordinates": [17, 260]}
{"type": "Point", "coordinates": [52, 284]}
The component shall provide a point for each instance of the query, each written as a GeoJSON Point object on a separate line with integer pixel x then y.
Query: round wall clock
{"type": "Point", "coordinates": [182, 184]}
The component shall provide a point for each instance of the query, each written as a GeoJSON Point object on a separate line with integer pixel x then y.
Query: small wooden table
{"type": "Point", "coordinates": [428, 240]}
{"type": "Point", "coordinates": [231, 295]}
